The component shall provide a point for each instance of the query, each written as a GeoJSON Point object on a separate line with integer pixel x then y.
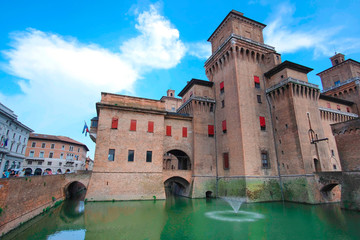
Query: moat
{"type": "Point", "coordinates": [183, 218]}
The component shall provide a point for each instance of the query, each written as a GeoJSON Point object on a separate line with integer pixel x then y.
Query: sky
{"type": "Point", "coordinates": [56, 57]}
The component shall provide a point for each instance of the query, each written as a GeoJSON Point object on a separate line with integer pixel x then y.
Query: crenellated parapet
{"type": "Point", "coordinates": [296, 87]}
{"type": "Point", "coordinates": [242, 48]}
{"type": "Point", "coordinates": [336, 116]}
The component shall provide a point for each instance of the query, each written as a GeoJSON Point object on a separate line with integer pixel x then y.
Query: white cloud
{"type": "Point", "coordinates": [158, 45]}
{"type": "Point", "coordinates": [289, 35]}
{"type": "Point", "coordinates": [62, 78]}
{"type": "Point", "coordinates": [201, 50]}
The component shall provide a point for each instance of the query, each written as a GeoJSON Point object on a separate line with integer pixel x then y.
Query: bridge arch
{"type": "Point", "coordinates": [177, 186]}
{"type": "Point", "coordinates": [176, 159]}
{"type": "Point", "coordinates": [75, 190]}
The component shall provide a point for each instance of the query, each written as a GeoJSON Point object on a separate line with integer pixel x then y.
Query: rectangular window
{"type": "Point", "coordinates": [191, 93]}
{"type": "Point", "coordinates": [114, 123]}
{"type": "Point", "coordinates": [257, 81]}
{"type": "Point", "coordinates": [184, 132]}
{"type": "Point", "coordinates": [52, 146]}
{"type": "Point", "coordinates": [224, 126]}
{"type": "Point", "coordinates": [31, 154]}
{"type": "Point", "coordinates": [258, 98]}
{"type": "Point", "coordinates": [61, 155]}
{"type": "Point", "coordinates": [338, 107]}
{"type": "Point", "coordinates": [226, 161]}
{"type": "Point", "coordinates": [41, 154]}
{"type": "Point", "coordinates": [262, 123]}
{"type": "Point", "coordinates": [222, 89]}
{"type": "Point", "coordinates": [33, 144]}
{"type": "Point", "coordinates": [131, 155]}
{"type": "Point", "coordinates": [29, 162]}
{"type": "Point", "coordinates": [332, 153]}
{"type": "Point", "coordinates": [49, 163]}
{"type": "Point", "coordinates": [51, 154]}
{"type": "Point", "coordinates": [133, 125]}
{"type": "Point", "coordinates": [43, 145]}
{"type": "Point", "coordinates": [328, 105]}
{"type": "Point", "coordinates": [150, 127]}
{"type": "Point", "coordinates": [222, 103]}
{"type": "Point", "coordinates": [348, 109]}
{"type": "Point", "coordinates": [60, 163]}
{"type": "Point", "coordinates": [71, 148]}
{"type": "Point", "coordinates": [40, 163]}
{"type": "Point", "coordinates": [211, 130]}
{"type": "Point", "coordinates": [148, 156]}
{"type": "Point", "coordinates": [78, 149]}
{"type": "Point", "coordinates": [337, 82]}
{"type": "Point", "coordinates": [111, 155]}
{"type": "Point", "coordinates": [63, 147]}
{"type": "Point", "coordinates": [168, 130]}
{"type": "Point", "coordinates": [265, 160]}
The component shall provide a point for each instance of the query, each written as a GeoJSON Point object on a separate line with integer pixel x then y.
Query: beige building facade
{"type": "Point", "coordinates": [257, 129]}
{"type": "Point", "coordinates": [57, 154]}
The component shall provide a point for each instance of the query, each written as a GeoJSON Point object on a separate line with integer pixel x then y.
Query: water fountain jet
{"type": "Point", "coordinates": [234, 202]}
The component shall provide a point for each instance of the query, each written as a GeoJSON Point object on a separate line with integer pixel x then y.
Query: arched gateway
{"type": "Point", "coordinates": [177, 186]}
{"type": "Point", "coordinates": [176, 160]}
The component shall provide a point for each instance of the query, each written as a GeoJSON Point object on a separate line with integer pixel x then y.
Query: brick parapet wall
{"type": "Point", "coordinates": [23, 198]}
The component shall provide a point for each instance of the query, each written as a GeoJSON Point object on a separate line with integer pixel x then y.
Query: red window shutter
{"type": "Point", "coordinates": [226, 160]}
{"type": "Point", "coordinates": [133, 125]}
{"type": "Point", "coordinates": [262, 122]}
{"type": "Point", "coordinates": [168, 130]}
{"type": "Point", "coordinates": [224, 125]}
{"type": "Point", "coordinates": [256, 79]}
{"type": "Point", "coordinates": [184, 132]}
{"type": "Point", "coordinates": [150, 127]}
{"type": "Point", "coordinates": [211, 130]}
{"type": "Point", "coordinates": [221, 85]}
{"type": "Point", "coordinates": [114, 123]}
{"type": "Point", "coordinates": [338, 107]}
{"type": "Point", "coordinates": [328, 105]}
{"type": "Point", "coordinates": [348, 109]}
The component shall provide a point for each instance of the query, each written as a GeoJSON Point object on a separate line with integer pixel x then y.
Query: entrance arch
{"type": "Point", "coordinates": [28, 172]}
{"type": "Point", "coordinates": [176, 160]}
{"type": "Point", "coordinates": [331, 192]}
{"type": "Point", "coordinates": [75, 191]}
{"type": "Point", "coordinates": [177, 186]}
{"type": "Point", "coordinates": [38, 171]}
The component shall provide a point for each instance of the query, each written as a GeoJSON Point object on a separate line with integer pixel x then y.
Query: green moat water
{"type": "Point", "coordinates": [182, 218]}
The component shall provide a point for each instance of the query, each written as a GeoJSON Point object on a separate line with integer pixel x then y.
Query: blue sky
{"type": "Point", "coordinates": [57, 56]}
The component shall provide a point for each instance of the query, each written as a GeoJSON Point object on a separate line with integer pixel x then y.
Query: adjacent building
{"type": "Point", "coordinates": [258, 128]}
{"type": "Point", "coordinates": [55, 154]}
{"type": "Point", "coordinates": [13, 140]}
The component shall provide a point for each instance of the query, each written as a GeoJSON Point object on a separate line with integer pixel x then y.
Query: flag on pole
{"type": "Point", "coordinates": [86, 129]}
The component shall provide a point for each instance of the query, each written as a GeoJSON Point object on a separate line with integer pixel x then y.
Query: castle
{"type": "Point", "coordinates": [257, 128]}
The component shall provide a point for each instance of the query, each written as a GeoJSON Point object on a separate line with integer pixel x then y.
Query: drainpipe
{"type": "Point", "coordinates": [216, 155]}
{"type": "Point", "coordinates": [276, 149]}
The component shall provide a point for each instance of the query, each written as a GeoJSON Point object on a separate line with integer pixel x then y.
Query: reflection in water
{"type": "Point", "coordinates": [71, 210]}
{"type": "Point", "coordinates": [183, 218]}
{"type": "Point", "coordinates": [68, 234]}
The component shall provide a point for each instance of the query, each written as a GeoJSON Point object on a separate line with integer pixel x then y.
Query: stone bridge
{"type": "Point", "coordinates": [327, 181]}
{"type": "Point", "coordinates": [23, 198]}
{"type": "Point", "coordinates": [179, 181]}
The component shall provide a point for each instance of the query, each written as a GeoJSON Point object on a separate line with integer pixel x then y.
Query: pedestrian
{"type": "Point", "coordinates": [7, 174]}
{"type": "Point", "coordinates": [22, 173]}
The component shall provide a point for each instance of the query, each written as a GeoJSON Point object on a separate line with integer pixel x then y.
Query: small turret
{"type": "Point", "coordinates": [337, 58]}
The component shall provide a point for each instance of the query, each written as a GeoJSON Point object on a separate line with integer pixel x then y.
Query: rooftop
{"type": "Point", "coordinates": [56, 138]}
